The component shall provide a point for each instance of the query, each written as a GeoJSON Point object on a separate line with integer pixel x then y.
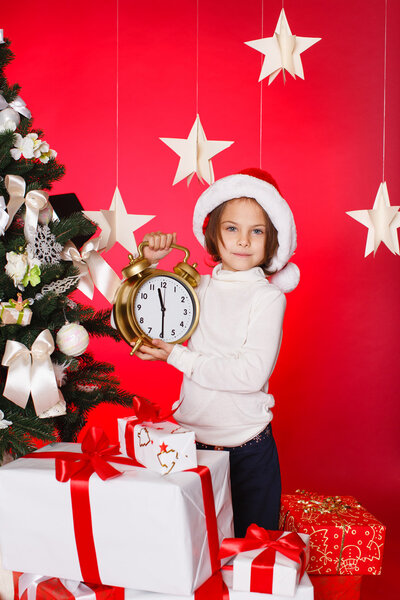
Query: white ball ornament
{"type": "Point", "coordinates": [9, 120]}
{"type": "Point", "coordinates": [72, 339]}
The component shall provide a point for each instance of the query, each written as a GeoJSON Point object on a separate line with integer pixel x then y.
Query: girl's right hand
{"type": "Point", "coordinates": [159, 245]}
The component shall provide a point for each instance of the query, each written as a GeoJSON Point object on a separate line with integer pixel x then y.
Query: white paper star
{"type": "Point", "coordinates": [382, 222]}
{"type": "Point", "coordinates": [282, 51]}
{"type": "Point", "coordinates": [195, 154]}
{"type": "Point", "coordinates": [117, 225]}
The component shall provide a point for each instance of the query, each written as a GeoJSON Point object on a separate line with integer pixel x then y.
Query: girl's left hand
{"type": "Point", "coordinates": [161, 351]}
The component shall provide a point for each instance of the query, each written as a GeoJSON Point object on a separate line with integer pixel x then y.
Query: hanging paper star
{"type": "Point", "coordinates": [282, 51]}
{"type": "Point", "coordinates": [195, 154]}
{"type": "Point", "coordinates": [117, 225]}
{"type": "Point", "coordinates": [382, 222]}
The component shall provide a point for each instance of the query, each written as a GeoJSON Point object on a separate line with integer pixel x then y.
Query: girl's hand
{"type": "Point", "coordinates": [159, 245]}
{"type": "Point", "coordinates": [161, 351]}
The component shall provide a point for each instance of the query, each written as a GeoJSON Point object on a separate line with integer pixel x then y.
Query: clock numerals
{"type": "Point", "coordinates": [164, 308]}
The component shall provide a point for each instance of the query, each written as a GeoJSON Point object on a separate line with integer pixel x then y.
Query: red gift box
{"type": "Point", "coordinates": [336, 587]}
{"type": "Point", "coordinates": [36, 587]}
{"type": "Point", "coordinates": [345, 539]}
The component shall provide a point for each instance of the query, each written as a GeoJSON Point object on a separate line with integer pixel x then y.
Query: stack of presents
{"type": "Point", "coordinates": [151, 519]}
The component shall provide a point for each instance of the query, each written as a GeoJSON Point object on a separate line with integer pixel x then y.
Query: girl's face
{"type": "Point", "coordinates": [243, 235]}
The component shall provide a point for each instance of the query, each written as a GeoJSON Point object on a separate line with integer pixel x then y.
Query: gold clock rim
{"type": "Point", "coordinates": [129, 294]}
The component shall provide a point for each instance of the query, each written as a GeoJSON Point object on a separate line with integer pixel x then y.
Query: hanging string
{"type": "Point", "coordinates": [261, 85]}
{"type": "Point", "coordinates": [384, 98]}
{"type": "Point", "coordinates": [117, 98]}
{"type": "Point", "coordinates": [197, 57]}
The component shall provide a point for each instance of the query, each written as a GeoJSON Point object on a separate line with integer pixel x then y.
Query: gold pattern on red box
{"type": "Point", "coordinates": [345, 539]}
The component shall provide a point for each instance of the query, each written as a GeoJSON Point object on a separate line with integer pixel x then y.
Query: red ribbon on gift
{"type": "Point", "coordinates": [78, 468]}
{"type": "Point", "coordinates": [213, 589]}
{"type": "Point", "coordinates": [94, 458]}
{"type": "Point", "coordinates": [35, 587]}
{"type": "Point", "coordinates": [290, 545]}
{"type": "Point", "coordinates": [146, 412]}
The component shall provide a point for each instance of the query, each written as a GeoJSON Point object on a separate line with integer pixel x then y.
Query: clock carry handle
{"type": "Point", "coordinates": [186, 271]}
{"type": "Point", "coordinates": [185, 250]}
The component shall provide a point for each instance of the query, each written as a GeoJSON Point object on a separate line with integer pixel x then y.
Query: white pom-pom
{"type": "Point", "coordinates": [287, 279]}
{"type": "Point", "coordinates": [72, 339]}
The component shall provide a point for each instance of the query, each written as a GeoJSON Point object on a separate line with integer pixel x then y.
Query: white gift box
{"type": "Point", "coordinates": [305, 591]}
{"type": "Point", "coordinates": [162, 447]}
{"type": "Point", "coordinates": [285, 571]}
{"type": "Point", "coordinates": [9, 315]}
{"type": "Point", "coordinates": [149, 531]}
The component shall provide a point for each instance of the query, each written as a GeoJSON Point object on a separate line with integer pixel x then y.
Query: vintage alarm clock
{"type": "Point", "coordinates": [151, 303]}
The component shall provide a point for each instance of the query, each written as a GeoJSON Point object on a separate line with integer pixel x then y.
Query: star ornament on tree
{"type": "Point", "coordinates": [195, 154]}
{"type": "Point", "coordinates": [117, 225]}
{"type": "Point", "coordinates": [282, 51]}
{"type": "Point", "coordinates": [382, 221]}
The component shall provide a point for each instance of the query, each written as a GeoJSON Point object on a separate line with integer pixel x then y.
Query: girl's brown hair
{"type": "Point", "coordinates": [212, 236]}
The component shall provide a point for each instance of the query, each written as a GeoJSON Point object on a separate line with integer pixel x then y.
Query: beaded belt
{"type": "Point", "coordinates": [255, 440]}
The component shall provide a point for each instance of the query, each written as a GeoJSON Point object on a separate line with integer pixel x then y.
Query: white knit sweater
{"type": "Point", "coordinates": [230, 357]}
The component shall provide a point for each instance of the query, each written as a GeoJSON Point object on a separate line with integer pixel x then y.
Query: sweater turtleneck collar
{"type": "Point", "coordinates": [253, 274]}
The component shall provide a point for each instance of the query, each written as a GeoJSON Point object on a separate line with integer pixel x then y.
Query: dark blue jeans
{"type": "Point", "coordinates": [255, 482]}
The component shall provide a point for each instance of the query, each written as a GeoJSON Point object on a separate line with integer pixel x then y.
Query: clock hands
{"type": "Point", "coordinates": [162, 312]}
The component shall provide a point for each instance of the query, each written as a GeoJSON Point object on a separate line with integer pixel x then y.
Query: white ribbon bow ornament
{"type": "Point", "coordinates": [35, 201]}
{"type": "Point", "coordinates": [94, 271]}
{"type": "Point", "coordinates": [30, 372]}
{"type": "Point", "coordinates": [18, 105]}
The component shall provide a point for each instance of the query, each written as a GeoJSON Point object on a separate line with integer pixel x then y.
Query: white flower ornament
{"type": "Point", "coordinates": [31, 147]}
{"type": "Point", "coordinates": [3, 216]}
{"type": "Point", "coordinates": [3, 422]}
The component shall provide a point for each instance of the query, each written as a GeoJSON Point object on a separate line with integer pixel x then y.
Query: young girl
{"type": "Point", "coordinates": [248, 228]}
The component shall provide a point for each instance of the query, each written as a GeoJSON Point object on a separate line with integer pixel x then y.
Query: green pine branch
{"type": "Point", "coordinates": [84, 382]}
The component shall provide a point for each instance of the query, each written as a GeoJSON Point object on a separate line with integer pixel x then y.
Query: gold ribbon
{"type": "Point", "coordinates": [94, 271]}
{"type": "Point", "coordinates": [35, 201]}
{"type": "Point", "coordinates": [31, 372]}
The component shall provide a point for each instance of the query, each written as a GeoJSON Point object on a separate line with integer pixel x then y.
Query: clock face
{"type": "Point", "coordinates": [164, 308]}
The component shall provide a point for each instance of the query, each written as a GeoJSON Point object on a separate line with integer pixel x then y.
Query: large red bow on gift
{"type": "Point", "coordinates": [290, 545]}
{"type": "Point", "coordinates": [96, 452]}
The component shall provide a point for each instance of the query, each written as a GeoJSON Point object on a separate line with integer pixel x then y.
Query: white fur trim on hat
{"type": "Point", "coordinates": [247, 186]}
{"type": "Point", "coordinates": [287, 279]}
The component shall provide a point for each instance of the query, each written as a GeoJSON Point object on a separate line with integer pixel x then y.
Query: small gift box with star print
{"type": "Point", "coordinates": [163, 447]}
{"type": "Point", "coordinates": [345, 539]}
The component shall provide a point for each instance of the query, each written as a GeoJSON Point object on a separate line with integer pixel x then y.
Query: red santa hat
{"type": "Point", "coordinates": [257, 184]}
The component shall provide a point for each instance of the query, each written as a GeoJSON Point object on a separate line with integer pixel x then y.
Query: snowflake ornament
{"type": "Point", "coordinates": [44, 246]}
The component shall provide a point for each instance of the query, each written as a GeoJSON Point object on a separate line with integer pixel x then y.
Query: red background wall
{"type": "Point", "coordinates": [336, 416]}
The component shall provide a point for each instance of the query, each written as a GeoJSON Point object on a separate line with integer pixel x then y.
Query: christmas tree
{"type": "Point", "coordinates": [48, 383]}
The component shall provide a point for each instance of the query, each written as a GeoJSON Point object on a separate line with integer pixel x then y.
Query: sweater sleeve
{"type": "Point", "coordinates": [248, 369]}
